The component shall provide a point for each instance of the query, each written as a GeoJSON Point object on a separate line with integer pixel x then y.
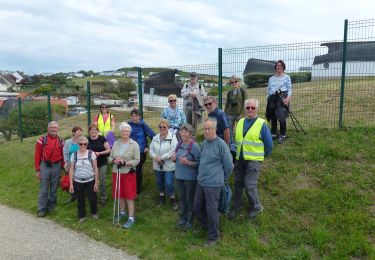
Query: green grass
{"type": "Point", "coordinates": [317, 190]}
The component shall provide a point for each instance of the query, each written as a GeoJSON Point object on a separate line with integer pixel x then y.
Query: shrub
{"type": "Point", "coordinates": [34, 117]}
{"type": "Point", "coordinates": [215, 90]}
{"type": "Point", "coordinates": [258, 80]}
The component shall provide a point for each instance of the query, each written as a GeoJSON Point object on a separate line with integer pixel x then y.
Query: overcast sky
{"type": "Point", "coordinates": [51, 36]}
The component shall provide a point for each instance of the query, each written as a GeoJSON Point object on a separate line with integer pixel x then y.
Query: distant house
{"type": "Point", "coordinates": [72, 101]}
{"type": "Point", "coordinates": [109, 102]}
{"type": "Point", "coordinates": [7, 80]}
{"type": "Point", "coordinates": [164, 83]}
{"type": "Point", "coordinates": [132, 74]}
{"type": "Point", "coordinates": [360, 60]}
{"type": "Point", "coordinates": [259, 66]}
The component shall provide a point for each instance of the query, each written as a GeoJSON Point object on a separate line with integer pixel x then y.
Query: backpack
{"type": "Point", "coordinates": [241, 90]}
{"type": "Point", "coordinates": [76, 158]}
{"type": "Point", "coordinates": [44, 141]}
{"type": "Point", "coordinates": [200, 86]}
{"type": "Point", "coordinates": [65, 183]}
{"type": "Point", "coordinates": [225, 198]}
{"type": "Point", "coordinates": [190, 147]}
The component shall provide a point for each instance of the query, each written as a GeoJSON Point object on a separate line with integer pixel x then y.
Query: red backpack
{"type": "Point", "coordinates": [65, 183]}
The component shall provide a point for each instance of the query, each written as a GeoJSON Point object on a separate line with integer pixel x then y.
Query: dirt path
{"type": "Point", "coordinates": [23, 236]}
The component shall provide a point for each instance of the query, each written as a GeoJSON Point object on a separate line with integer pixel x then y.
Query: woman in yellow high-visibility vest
{"type": "Point", "coordinates": [104, 121]}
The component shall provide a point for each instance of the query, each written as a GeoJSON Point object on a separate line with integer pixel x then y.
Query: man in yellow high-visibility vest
{"type": "Point", "coordinates": [254, 142]}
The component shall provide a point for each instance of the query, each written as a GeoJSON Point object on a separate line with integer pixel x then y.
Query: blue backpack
{"type": "Point", "coordinates": [225, 198]}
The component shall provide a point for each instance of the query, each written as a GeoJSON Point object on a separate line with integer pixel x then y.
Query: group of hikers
{"type": "Point", "coordinates": [234, 139]}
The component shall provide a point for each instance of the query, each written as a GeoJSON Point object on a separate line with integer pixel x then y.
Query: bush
{"type": "Point", "coordinates": [215, 90]}
{"type": "Point", "coordinates": [34, 117]}
{"type": "Point", "coordinates": [259, 80]}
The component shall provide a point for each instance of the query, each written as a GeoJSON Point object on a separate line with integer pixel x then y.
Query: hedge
{"type": "Point", "coordinates": [257, 80]}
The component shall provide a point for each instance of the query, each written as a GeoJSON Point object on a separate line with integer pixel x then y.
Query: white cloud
{"type": "Point", "coordinates": [41, 35]}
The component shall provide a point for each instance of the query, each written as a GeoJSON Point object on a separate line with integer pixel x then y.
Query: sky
{"type": "Point", "coordinates": [40, 36]}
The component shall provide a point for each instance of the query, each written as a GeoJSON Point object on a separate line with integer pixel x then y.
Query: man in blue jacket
{"type": "Point", "coordinates": [214, 169]}
{"type": "Point", "coordinates": [140, 132]}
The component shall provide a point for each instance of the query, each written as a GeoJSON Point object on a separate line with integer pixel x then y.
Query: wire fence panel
{"type": "Point", "coordinates": [316, 87]}
{"type": "Point", "coordinates": [359, 104]}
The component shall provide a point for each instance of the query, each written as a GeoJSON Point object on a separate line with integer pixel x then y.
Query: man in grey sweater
{"type": "Point", "coordinates": [215, 167]}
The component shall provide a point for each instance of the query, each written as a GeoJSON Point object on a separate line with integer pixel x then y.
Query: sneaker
{"type": "Point", "coordinates": [161, 201]}
{"type": "Point", "coordinates": [188, 226]}
{"type": "Point", "coordinates": [81, 220]}
{"type": "Point", "coordinates": [41, 213]}
{"type": "Point", "coordinates": [95, 216]}
{"type": "Point", "coordinates": [122, 215]}
{"type": "Point", "coordinates": [128, 224]}
{"type": "Point", "coordinates": [210, 243]}
{"type": "Point", "coordinates": [281, 138]}
{"type": "Point", "coordinates": [174, 204]}
{"type": "Point", "coordinates": [181, 222]}
{"type": "Point", "coordinates": [254, 213]}
{"type": "Point", "coordinates": [274, 137]}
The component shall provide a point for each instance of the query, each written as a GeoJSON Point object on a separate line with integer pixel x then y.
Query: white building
{"type": "Point", "coordinates": [360, 60]}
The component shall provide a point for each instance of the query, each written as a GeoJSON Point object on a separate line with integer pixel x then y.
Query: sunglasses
{"type": "Point", "coordinates": [233, 82]}
{"type": "Point", "coordinates": [82, 144]}
{"type": "Point", "coordinates": [172, 100]}
{"type": "Point", "coordinates": [208, 128]}
{"type": "Point", "coordinates": [104, 107]}
{"type": "Point", "coordinates": [252, 108]}
{"type": "Point", "coordinates": [208, 104]}
{"type": "Point", "coordinates": [162, 127]}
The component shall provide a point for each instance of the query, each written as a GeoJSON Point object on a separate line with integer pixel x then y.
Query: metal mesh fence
{"type": "Point", "coordinates": [359, 104]}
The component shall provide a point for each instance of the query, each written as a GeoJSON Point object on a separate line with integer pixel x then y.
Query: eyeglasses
{"type": "Point", "coordinates": [162, 127]}
{"type": "Point", "coordinates": [104, 107]}
{"type": "Point", "coordinates": [233, 82]}
{"type": "Point", "coordinates": [94, 129]}
{"type": "Point", "coordinates": [208, 128]}
{"type": "Point", "coordinates": [208, 104]}
{"type": "Point", "coordinates": [82, 144]}
{"type": "Point", "coordinates": [172, 100]}
{"type": "Point", "coordinates": [252, 108]}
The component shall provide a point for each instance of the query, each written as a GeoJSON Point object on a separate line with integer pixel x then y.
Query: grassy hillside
{"type": "Point", "coordinates": [317, 191]}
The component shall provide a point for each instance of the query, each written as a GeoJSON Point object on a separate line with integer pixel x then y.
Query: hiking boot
{"type": "Point", "coordinates": [41, 213]}
{"type": "Point", "coordinates": [128, 224]}
{"type": "Point", "coordinates": [161, 201]}
{"type": "Point", "coordinates": [210, 243]}
{"type": "Point", "coordinates": [174, 204]}
{"type": "Point", "coordinates": [81, 220]}
{"type": "Point", "coordinates": [254, 213]}
{"type": "Point", "coordinates": [281, 138]}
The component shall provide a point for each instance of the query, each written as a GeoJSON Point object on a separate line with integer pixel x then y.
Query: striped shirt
{"type": "Point", "coordinates": [282, 83]}
{"type": "Point", "coordinates": [84, 171]}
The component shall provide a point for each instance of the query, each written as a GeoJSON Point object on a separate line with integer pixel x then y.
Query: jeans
{"type": "Point", "coordinates": [139, 171]}
{"type": "Point", "coordinates": [165, 182]}
{"type": "Point", "coordinates": [49, 182]}
{"type": "Point", "coordinates": [80, 190]}
{"type": "Point", "coordinates": [102, 183]}
{"type": "Point", "coordinates": [246, 176]}
{"type": "Point", "coordinates": [206, 203]}
{"type": "Point", "coordinates": [186, 192]}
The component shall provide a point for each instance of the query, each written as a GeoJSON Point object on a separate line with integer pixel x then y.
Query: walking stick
{"type": "Point", "coordinates": [117, 198]}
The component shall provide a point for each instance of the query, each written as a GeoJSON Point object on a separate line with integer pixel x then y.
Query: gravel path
{"type": "Point", "coordinates": [23, 236]}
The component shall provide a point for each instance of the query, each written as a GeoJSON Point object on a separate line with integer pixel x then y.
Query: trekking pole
{"type": "Point", "coordinates": [116, 196]}
{"type": "Point", "coordinates": [300, 126]}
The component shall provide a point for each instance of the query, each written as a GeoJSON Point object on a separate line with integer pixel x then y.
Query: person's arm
{"type": "Point", "coordinates": [266, 137]}
{"type": "Point", "coordinates": [152, 149]}
{"type": "Point", "coordinates": [196, 152]}
{"type": "Point", "coordinates": [182, 116]}
{"type": "Point", "coordinates": [227, 102]}
{"type": "Point", "coordinates": [243, 101]}
{"type": "Point", "coordinates": [107, 149]}
{"type": "Point", "coordinates": [136, 157]}
{"type": "Point", "coordinates": [113, 123]}
{"type": "Point", "coordinates": [71, 174]}
{"type": "Point", "coordinates": [227, 135]}
{"type": "Point", "coordinates": [96, 118]}
{"type": "Point", "coordinates": [227, 162]}
{"type": "Point", "coordinates": [185, 93]}
{"type": "Point", "coordinates": [203, 92]}
{"type": "Point", "coordinates": [96, 173]}
{"type": "Point", "coordinates": [112, 153]}
{"type": "Point", "coordinates": [149, 132]}
{"type": "Point", "coordinates": [288, 83]}
{"type": "Point", "coordinates": [37, 156]}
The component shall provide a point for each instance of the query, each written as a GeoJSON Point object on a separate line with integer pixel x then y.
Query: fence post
{"type": "Point", "coordinates": [140, 92]}
{"type": "Point", "coordinates": [88, 104]}
{"type": "Point", "coordinates": [342, 90]}
{"type": "Point", "coordinates": [49, 106]}
{"type": "Point", "coordinates": [20, 130]}
{"type": "Point", "coordinates": [220, 83]}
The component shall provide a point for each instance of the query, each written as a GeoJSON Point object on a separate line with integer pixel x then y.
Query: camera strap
{"type": "Point", "coordinates": [53, 149]}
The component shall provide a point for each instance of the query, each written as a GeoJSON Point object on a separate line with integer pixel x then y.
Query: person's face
{"type": "Point", "coordinates": [234, 83]}
{"type": "Point", "coordinates": [104, 109]}
{"type": "Point", "coordinates": [53, 129]}
{"type": "Point", "coordinates": [210, 105]}
{"type": "Point", "coordinates": [279, 68]}
{"type": "Point", "coordinates": [94, 132]}
{"type": "Point", "coordinates": [77, 134]}
{"type": "Point", "coordinates": [163, 128]}
{"type": "Point", "coordinates": [82, 145]}
{"type": "Point", "coordinates": [251, 109]}
{"type": "Point", "coordinates": [125, 133]}
{"type": "Point", "coordinates": [172, 102]}
{"type": "Point", "coordinates": [185, 135]}
{"type": "Point", "coordinates": [135, 118]}
{"type": "Point", "coordinates": [193, 79]}
{"type": "Point", "coordinates": [209, 130]}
